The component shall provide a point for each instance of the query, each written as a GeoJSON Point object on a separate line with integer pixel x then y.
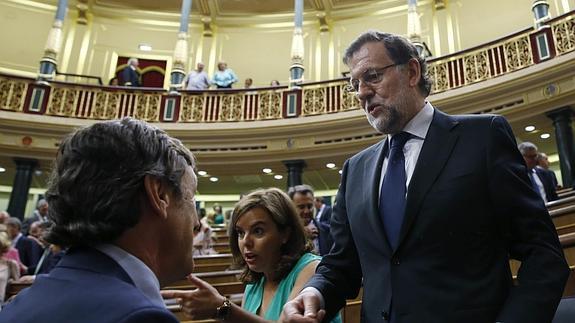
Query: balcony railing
{"type": "Point", "coordinates": [488, 61]}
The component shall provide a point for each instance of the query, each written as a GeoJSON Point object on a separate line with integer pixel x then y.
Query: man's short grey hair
{"type": "Point", "coordinates": [132, 60]}
{"type": "Point", "coordinates": [14, 222]}
{"type": "Point", "coordinates": [41, 202]}
{"type": "Point", "coordinates": [525, 146]}
{"type": "Point", "coordinates": [399, 49]}
{"type": "Point", "coordinates": [302, 189]}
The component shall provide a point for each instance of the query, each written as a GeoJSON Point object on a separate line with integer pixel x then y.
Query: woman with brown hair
{"type": "Point", "coordinates": [268, 241]}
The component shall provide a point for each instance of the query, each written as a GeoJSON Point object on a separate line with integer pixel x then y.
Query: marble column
{"type": "Point", "coordinates": [181, 51]}
{"type": "Point", "coordinates": [19, 196]}
{"type": "Point", "coordinates": [297, 47]}
{"type": "Point", "coordinates": [295, 170]}
{"type": "Point", "coordinates": [565, 145]}
{"type": "Point", "coordinates": [49, 61]}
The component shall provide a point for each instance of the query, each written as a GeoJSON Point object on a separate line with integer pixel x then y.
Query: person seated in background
{"type": "Point", "coordinates": [275, 83]}
{"type": "Point", "coordinates": [130, 75]}
{"type": "Point", "coordinates": [218, 215]}
{"type": "Point", "coordinates": [248, 83]}
{"type": "Point", "coordinates": [197, 79]}
{"type": "Point", "coordinates": [4, 215]}
{"type": "Point", "coordinates": [543, 163]}
{"type": "Point", "coordinates": [29, 250]}
{"type": "Point", "coordinates": [303, 199]}
{"type": "Point", "coordinates": [114, 81]}
{"type": "Point", "coordinates": [39, 214]}
{"type": "Point", "coordinates": [541, 180]}
{"type": "Point", "coordinates": [268, 241]}
{"type": "Point", "coordinates": [9, 270]}
{"type": "Point", "coordinates": [224, 77]}
{"type": "Point", "coordinates": [122, 199]}
{"type": "Point", "coordinates": [203, 236]}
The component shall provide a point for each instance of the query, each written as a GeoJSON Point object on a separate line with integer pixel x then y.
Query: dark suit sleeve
{"type": "Point", "coordinates": [150, 315]}
{"type": "Point", "coordinates": [530, 234]}
{"type": "Point", "coordinates": [126, 77]}
{"type": "Point", "coordinates": [338, 276]}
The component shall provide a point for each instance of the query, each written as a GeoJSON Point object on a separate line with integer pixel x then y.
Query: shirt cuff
{"type": "Point", "coordinates": [317, 293]}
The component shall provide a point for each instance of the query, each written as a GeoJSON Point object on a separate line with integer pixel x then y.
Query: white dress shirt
{"type": "Point", "coordinates": [417, 127]}
{"type": "Point", "coordinates": [540, 188]}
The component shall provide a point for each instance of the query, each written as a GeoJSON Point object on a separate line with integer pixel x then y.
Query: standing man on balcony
{"type": "Point", "coordinates": [130, 75]}
{"type": "Point", "coordinates": [429, 217]}
{"type": "Point", "coordinates": [197, 79]}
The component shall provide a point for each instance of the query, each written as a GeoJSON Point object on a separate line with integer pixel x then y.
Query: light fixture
{"type": "Point", "coordinates": [202, 173]}
{"type": "Point", "coordinates": [278, 176]}
{"type": "Point", "coordinates": [330, 165]}
{"type": "Point", "coordinates": [214, 179]}
{"type": "Point", "coordinates": [2, 169]}
{"type": "Point", "coordinates": [545, 135]}
{"type": "Point", "coordinates": [340, 171]}
{"type": "Point", "coordinates": [267, 170]}
{"type": "Point", "coordinates": [145, 47]}
{"type": "Point", "coordinates": [529, 128]}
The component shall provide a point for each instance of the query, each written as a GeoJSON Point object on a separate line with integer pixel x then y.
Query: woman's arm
{"type": "Point", "coordinates": [304, 275]}
{"type": "Point", "coordinates": [202, 303]}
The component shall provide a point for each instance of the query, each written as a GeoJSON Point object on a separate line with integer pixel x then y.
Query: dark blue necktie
{"type": "Point", "coordinates": [393, 189]}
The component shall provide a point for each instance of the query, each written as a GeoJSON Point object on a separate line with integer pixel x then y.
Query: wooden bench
{"type": "Point", "coordinates": [213, 259]}
{"type": "Point", "coordinates": [226, 276]}
{"type": "Point", "coordinates": [563, 216]}
{"type": "Point", "coordinates": [554, 205]}
{"type": "Point", "coordinates": [223, 247]}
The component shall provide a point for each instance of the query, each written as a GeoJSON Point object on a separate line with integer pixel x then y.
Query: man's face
{"type": "Point", "coordinates": [543, 161]}
{"type": "Point", "coordinates": [200, 67]}
{"type": "Point", "coordinates": [530, 157]}
{"type": "Point", "coordinates": [390, 103]}
{"type": "Point", "coordinates": [43, 209]}
{"type": "Point", "coordinates": [182, 219]}
{"type": "Point", "coordinates": [12, 231]}
{"type": "Point", "coordinates": [304, 206]}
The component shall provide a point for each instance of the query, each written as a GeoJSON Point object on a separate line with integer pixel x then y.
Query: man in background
{"type": "Point", "coordinates": [130, 75]}
{"type": "Point", "coordinates": [122, 199]}
{"type": "Point", "coordinates": [197, 79]}
{"type": "Point", "coordinates": [303, 199]}
{"type": "Point", "coordinates": [543, 162]}
{"type": "Point", "coordinates": [40, 214]}
{"type": "Point", "coordinates": [541, 179]}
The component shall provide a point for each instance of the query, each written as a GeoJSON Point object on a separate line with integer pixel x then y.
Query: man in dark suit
{"type": "Point", "coordinates": [543, 162]}
{"type": "Point", "coordinates": [541, 179]}
{"type": "Point", "coordinates": [323, 218]}
{"type": "Point", "coordinates": [122, 199]}
{"type": "Point", "coordinates": [29, 250]}
{"type": "Point", "coordinates": [40, 214]}
{"type": "Point", "coordinates": [429, 217]}
{"type": "Point", "coordinates": [130, 75]}
{"type": "Point", "coordinates": [303, 199]}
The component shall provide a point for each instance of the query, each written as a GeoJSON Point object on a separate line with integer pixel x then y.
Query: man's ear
{"type": "Point", "coordinates": [157, 194]}
{"type": "Point", "coordinates": [414, 72]}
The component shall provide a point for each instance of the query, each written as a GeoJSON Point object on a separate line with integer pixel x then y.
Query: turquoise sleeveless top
{"type": "Point", "coordinates": [254, 293]}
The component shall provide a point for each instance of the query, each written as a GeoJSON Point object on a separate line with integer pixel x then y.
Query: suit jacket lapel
{"type": "Point", "coordinates": [437, 148]}
{"type": "Point", "coordinates": [372, 175]}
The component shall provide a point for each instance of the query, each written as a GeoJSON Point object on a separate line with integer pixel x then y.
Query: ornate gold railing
{"type": "Point", "coordinates": [503, 56]}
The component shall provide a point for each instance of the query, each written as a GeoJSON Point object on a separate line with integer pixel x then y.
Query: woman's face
{"type": "Point", "coordinates": [260, 241]}
{"type": "Point", "coordinates": [221, 66]}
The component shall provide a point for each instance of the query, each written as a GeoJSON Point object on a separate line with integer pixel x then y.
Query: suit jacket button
{"type": "Point", "coordinates": [395, 261]}
{"type": "Point", "coordinates": [385, 315]}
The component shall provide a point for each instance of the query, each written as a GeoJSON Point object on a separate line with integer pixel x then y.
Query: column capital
{"type": "Point", "coordinates": [564, 112]}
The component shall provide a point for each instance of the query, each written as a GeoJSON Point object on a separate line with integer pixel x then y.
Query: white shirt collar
{"type": "Point", "coordinates": [419, 124]}
{"type": "Point", "coordinates": [142, 276]}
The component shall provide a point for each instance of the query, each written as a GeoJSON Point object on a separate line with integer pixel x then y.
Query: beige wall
{"type": "Point", "coordinates": [258, 48]}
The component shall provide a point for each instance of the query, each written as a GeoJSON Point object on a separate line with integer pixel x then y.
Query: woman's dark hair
{"type": "Point", "coordinates": [400, 51]}
{"type": "Point", "coordinates": [97, 183]}
{"type": "Point", "coordinates": [284, 214]}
